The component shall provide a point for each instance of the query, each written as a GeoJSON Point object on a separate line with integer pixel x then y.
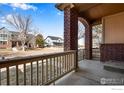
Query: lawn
{"type": "Point", "coordinates": [11, 54]}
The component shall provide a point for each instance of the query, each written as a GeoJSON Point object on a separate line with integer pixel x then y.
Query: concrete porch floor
{"type": "Point", "coordinates": [91, 73]}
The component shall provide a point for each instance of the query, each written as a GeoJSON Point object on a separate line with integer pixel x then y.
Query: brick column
{"type": "Point", "coordinates": [71, 30]}
{"type": "Point", "coordinates": [88, 37]}
{"type": "Point", "coordinates": [88, 41]}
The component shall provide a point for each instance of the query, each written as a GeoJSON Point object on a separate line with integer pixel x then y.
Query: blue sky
{"type": "Point", "coordinates": [46, 18]}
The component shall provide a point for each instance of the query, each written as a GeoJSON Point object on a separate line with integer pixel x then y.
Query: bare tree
{"type": "Point", "coordinates": [97, 34]}
{"type": "Point", "coordinates": [21, 24]}
{"type": "Point", "coordinates": [81, 30]}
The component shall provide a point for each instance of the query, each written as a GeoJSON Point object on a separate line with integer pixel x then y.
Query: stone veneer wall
{"type": "Point", "coordinates": [112, 52]}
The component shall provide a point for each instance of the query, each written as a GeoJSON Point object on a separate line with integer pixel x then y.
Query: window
{"type": "Point", "coordinates": [3, 36]}
{"type": "Point", "coordinates": [3, 42]}
{"type": "Point", "coordinates": [0, 42]}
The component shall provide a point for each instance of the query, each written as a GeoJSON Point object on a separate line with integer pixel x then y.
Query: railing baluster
{"type": "Point", "coordinates": [0, 76]}
{"type": "Point", "coordinates": [8, 81]}
{"type": "Point", "coordinates": [24, 74]}
{"type": "Point", "coordinates": [54, 66]}
{"type": "Point", "coordinates": [37, 72]}
{"type": "Point", "coordinates": [65, 63]}
{"type": "Point", "coordinates": [74, 60]}
{"type": "Point", "coordinates": [17, 75]}
{"type": "Point", "coordinates": [60, 64]}
{"type": "Point", "coordinates": [46, 70]}
{"type": "Point", "coordinates": [50, 69]}
{"type": "Point", "coordinates": [69, 61]}
{"type": "Point", "coordinates": [42, 72]}
{"type": "Point", "coordinates": [57, 67]}
{"type": "Point", "coordinates": [31, 73]}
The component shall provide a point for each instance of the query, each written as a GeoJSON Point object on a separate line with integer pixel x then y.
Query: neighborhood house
{"type": "Point", "coordinates": [9, 39]}
{"type": "Point", "coordinates": [53, 41]}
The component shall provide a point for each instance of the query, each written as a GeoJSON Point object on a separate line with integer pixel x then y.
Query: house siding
{"type": "Point", "coordinates": [113, 39]}
{"type": "Point", "coordinates": [114, 28]}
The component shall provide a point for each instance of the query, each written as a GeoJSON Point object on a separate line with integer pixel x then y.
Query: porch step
{"type": "Point", "coordinates": [114, 66]}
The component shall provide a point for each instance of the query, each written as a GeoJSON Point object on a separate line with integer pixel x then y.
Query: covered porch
{"type": "Point", "coordinates": [90, 14]}
{"type": "Point", "coordinates": [64, 68]}
{"type": "Point", "coordinates": [111, 49]}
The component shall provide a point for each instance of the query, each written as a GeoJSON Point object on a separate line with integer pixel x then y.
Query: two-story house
{"type": "Point", "coordinates": [5, 38]}
{"type": "Point", "coordinates": [52, 41]}
{"type": "Point", "coordinates": [9, 39]}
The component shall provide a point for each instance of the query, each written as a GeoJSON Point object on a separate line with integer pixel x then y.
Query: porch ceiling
{"type": "Point", "coordinates": [94, 11]}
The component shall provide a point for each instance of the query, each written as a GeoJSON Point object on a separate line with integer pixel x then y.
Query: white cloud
{"type": "Point", "coordinates": [2, 17]}
{"type": "Point", "coordinates": [2, 20]}
{"type": "Point", "coordinates": [14, 8]}
{"type": "Point", "coordinates": [3, 25]}
{"type": "Point", "coordinates": [9, 16]}
{"type": "Point", "coordinates": [22, 6]}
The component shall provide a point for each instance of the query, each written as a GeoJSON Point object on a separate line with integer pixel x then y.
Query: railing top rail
{"type": "Point", "coordinates": [27, 59]}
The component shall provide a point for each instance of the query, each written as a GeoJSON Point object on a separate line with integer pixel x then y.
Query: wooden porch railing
{"type": "Point", "coordinates": [82, 55]}
{"type": "Point", "coordinates": [36, 70]}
